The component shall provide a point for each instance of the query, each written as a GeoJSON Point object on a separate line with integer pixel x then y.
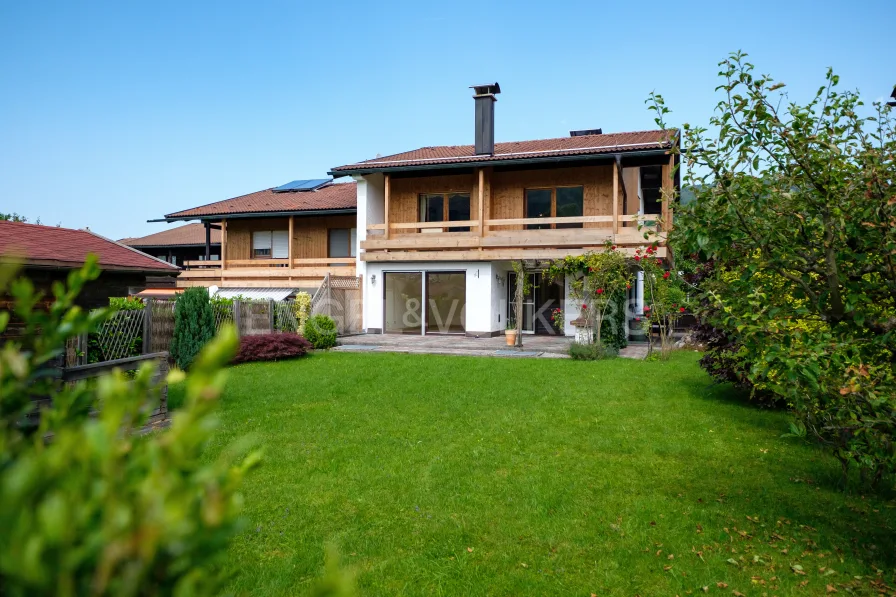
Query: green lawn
{"type": "Point", "coordinates": [480, 476]}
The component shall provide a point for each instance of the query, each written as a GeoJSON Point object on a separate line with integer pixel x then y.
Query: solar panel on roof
{"type": "Point", "coordinates": [302, 185]}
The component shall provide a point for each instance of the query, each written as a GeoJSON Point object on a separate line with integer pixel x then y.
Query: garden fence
{"type": "Point", "coordinates": [339, 297]}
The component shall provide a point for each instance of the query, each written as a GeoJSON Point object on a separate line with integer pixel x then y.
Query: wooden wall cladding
{"type": "Point", "coordinates": [508, 191]}
{"type": "Point", "coordinates": [309, 239]}
{"type": "Point", "coordinates": [404, 193]}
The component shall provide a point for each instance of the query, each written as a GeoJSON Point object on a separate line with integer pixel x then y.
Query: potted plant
{"type": "Point", "coordinates": [510, 332]}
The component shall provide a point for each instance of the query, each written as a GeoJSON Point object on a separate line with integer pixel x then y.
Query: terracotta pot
{"type": "Point", "coordinates": [510, 336]}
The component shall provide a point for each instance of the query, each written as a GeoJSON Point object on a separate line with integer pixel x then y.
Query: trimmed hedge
{"type": "Point", "coordinates": [321, 331]}
{"type": "Point", "coordinates": [271, 347]}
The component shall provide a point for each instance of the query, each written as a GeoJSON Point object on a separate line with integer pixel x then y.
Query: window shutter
{"type": "Point", "coordinates": [339, 238]}
{"type": "Point", "coordinates": [261, 240]}
{"type": "Point", "coordinates": [280, 248]}
{"type": "Point", "coordinates": [354, 241]}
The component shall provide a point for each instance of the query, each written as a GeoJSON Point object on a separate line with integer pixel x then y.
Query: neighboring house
{"type": "Point", "coordinates": [180, 244]}
{"type": "Point", "coordinates": [282, 239]}
{"type": "Point", "coordinates": [438, 227]}
{"type": "Point", "coordinates": [49, 253]}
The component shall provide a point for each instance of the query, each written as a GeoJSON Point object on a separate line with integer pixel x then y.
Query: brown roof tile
{"type": "Point", "coordinates": [517, 150]}
{"type": "Point", "coordinates": [65, 247]}
{"type": "Point", "coordinates": [188, 234]}
{"type": "Point", "coordinates": [332, 196]}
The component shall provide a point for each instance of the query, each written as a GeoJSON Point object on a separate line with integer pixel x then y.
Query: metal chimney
{"type": "Point", "coordinates": [484, 97]}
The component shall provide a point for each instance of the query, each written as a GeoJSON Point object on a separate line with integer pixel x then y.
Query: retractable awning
{"type": "Point", "coordinates": [267, 294]}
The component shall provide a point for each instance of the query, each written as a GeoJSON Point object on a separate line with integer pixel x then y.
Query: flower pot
{"type": "Point", "coordinates": [510, 336]}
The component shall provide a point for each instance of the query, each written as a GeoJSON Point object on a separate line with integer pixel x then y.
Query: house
{"type": "Point", "coordinates": [282, 239]}
{"type": "Point", "coordinates": [49, 253]}
{"type": "Point", "coordinates": [438, 227]}
{"type": "Point", "coordinates": [180, 244]}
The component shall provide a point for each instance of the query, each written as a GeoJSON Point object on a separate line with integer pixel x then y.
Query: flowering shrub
{"type": "Point", "coordinates": [271, 347]}
{"type": "Point", "coordinates": [664, 299]}
{"type": "Point", "coordinates": [557, 319]}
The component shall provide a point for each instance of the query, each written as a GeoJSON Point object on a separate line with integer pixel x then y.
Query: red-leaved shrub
{"type": "Point", "coordinates": [271, 347]}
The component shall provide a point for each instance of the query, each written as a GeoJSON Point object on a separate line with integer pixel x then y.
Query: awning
{"type": "Point", "coordinates": [267, 294]}
{"type": "Point", "coordinates": [166, 293]}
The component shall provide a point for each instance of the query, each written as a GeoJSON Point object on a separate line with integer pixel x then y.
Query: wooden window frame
{"type": "Point", "coordinates": [351, 248]}
{"type": "Point", "coordinates": [553, 191]}
{"type": "Point", "coordinates": [445, 207]}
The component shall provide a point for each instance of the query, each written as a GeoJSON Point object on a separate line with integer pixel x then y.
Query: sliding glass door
{"type": "Point", "coordinates": [403, 302]}
{"type": "Point", "coordinates": [442, 312]}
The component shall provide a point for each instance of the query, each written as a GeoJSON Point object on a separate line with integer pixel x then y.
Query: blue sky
{"type": "Point", "coordinates": [112, 113]}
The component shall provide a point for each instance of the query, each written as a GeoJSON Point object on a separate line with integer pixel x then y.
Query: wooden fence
{"type": "Point", "coordinates": [158, 416]}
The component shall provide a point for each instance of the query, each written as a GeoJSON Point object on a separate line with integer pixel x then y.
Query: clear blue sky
{"type": "Point", "coordinates": [112, 113]}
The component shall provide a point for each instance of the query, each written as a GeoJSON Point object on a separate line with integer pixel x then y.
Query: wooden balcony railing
{"type": "Point", "coordinates": [415, 238]}
{"type": "Point", "coordinates": [254, 272]}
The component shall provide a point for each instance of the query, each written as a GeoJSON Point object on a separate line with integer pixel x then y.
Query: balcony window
{"type": "Point", "coordinates": [268, 244]}
{"type": "Point", "coordinates": [445, 207]}
{"type": "Point", "coordinates": [559, 202]}
{"type": "Point", "coordinates": [342, 242]}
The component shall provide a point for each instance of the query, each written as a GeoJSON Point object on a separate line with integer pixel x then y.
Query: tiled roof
{"type": "Point", "coordinates": [65, 247]}
{"type": "Point", "coordinates": [332, 196]}
{"type": "Point", "coordinates": [520, 150]}
{"type": "Point", "coordinates": [188, 234]}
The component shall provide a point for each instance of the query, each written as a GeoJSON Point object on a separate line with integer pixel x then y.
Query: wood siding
{"type": "Point", "coordinates": [405, 193]}
{"type": "Point", "coordinates": [508, 191]}
{"type": "Point", "coordinates": [310, 238]}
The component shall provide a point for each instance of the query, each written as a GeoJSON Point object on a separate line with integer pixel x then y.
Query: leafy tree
{"type": "Point", "coordinates": [796, 206]}
{"type": "Point", "coordinates": [194, 325]}
{"type": "Point", "coordinates": [99, 510]}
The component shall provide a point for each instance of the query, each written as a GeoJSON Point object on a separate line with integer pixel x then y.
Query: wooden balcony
{"type": "Point", "coordinates": [432, 241]}
{"type": "Point", "coordinates": [259, 273]}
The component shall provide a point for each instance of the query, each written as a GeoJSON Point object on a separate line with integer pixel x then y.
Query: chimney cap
{"type": "Point", "coordinates": [486, 89]}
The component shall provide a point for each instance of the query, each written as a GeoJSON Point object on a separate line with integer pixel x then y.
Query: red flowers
{"type": "Point", "coordinates": [599, 291]}
{"type": "Point", "coordinates": [646, 309]}
{"type": "Point", "coordinates": [628, 286]}
{"type": "Point", "coordinates": [637, 258]}
{"type": "Point", "coordinates": [637, 319]}
{"type": "Point", "coordinates": [584, 306]}
{"type": "Point", "coordinates": [681, 310]}
{"type": "Point", "coordinates": [665, 275]}
{"type": "Point", "coordinates": [613, 248]}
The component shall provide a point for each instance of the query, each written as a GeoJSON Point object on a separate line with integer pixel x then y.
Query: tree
{"type": "Point", "coordinates": [13, 217]}
{"type": "Point", "coordinates": [194, 325]}
{"type": "Point", "coordinates": [100, 510]}
{"type": "Point", "coordinates": [795, 204]}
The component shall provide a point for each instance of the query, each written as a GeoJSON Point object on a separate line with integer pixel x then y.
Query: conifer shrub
{"type": "Point", "coordinates": [321, 331]}
{"type": "Point", "coordinates": [271, 347]}
{"type": "Point", "coordinates": [194, 325]}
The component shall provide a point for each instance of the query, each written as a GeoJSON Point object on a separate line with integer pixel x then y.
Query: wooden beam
{"type": "Point", "coordinates": [481, 200]}
{"type": "Point", "coordinates": [223, 247]}
{"type": "Point", "coordinates": [386, 207]}
{"type": "Point", "coordinates": [616, 198]}
{"type": "Point", "coordinates": [291, 228]}
{"type": "Point", "coordinates": [567, 220]}
{"type": "Point", "coordinates": [493, 255]}
{"type": "Point", "coordinates": [452, 224]}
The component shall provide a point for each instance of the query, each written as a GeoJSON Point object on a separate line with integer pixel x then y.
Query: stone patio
{"type": "Point", "coordinates": [551, 347]}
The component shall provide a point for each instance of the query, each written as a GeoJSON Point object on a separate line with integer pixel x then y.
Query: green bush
{"type": "Point", "coordinates": [194, 325]}
{"type": "Point", "coordinates": [97, 510]}
{"type": "Point", "coordinates": [320, 330]}
{"type": "Point", "coordinates": [591, 352]}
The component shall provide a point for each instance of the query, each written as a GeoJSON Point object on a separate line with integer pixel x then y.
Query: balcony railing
{"type": "Point", "coordinates": [417, 236]}
{"type": "Point", "coordinates": [275, 270]}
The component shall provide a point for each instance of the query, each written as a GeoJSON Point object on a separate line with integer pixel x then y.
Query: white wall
{"type": "Point", "coordinates": [571, 309]}
{"type": "Point", "coordinates": [371, 210]}
{"type": "Point", "coordinates": [480, 279]}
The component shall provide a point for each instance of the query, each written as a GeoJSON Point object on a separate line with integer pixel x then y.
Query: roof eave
{"type": "Point", "coordinates": [257, 214]}
{"type": "Point", "coordinates": [608, 156]}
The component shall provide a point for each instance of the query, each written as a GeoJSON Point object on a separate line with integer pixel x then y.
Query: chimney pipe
{"type": "Point", "coordinates": [484, 97]}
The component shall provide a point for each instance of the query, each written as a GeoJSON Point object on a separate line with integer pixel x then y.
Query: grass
{"type": "Point", "coordinates": [477, 476]}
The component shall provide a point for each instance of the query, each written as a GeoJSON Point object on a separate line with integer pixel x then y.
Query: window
{"type": "Point", "coordinates": [342, 242]}
{"type": "Point", "coordinates": [560, 202]}
{"type": "Point", "coordinates": [651, 189]}
{"type": "Point", "coordinates": [270, 244]}
{"type": "Point", "coordinates": [445, 207]}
